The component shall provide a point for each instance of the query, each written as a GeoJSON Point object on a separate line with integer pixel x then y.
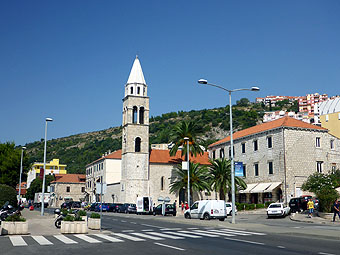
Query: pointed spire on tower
{"type": "Point", "coordinates": [136, 74]}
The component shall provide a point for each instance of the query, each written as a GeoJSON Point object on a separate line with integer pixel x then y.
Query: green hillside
{"type": "Point", "coordinates": [77, 151]}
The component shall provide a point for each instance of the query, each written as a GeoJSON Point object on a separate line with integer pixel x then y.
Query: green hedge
{"type": "Point", "coordinates": [8, 193]}
{"type": "Point", "coordinates": [15, 217]}
{"type": "Point", "coordinates": [95, 216]}
{"type": "Point", "coordinates": [245, 206]}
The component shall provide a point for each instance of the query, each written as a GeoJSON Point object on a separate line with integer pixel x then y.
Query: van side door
{"type": "Point", "coordinates": [194, 210]}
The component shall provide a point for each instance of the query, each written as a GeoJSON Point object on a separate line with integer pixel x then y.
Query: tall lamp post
{"type": "Point", "coordinates": [188, 166]}
{"type": "Point", "coordinates": [43, 184]}
{"type": "Point", "coordinates": [205, 82]}
{"type": "Point", "coordinates": [22, 155]}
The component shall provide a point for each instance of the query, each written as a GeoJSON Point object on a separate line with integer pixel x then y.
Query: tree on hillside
{"type": "Point", "coordinates": [323, 186]}
{"type": "Point", "coordinates": [198, 179]}
{"type": "Point", "coordinates": [243, 102]}
{"type": "Point", "coordinates": [10, 164]}
{"type": "Point", "coordinates": [36, 186]}
{"type": "Point", "coordinates": [182, 130]}
{"type": "Point", "coordinates": [220, 177]}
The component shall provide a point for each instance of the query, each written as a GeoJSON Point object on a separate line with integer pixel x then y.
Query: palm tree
{"type": "Point", "coordinates": [220, 174]}
{"type": "Point", "coordinates": [180, 131]}
{"type": "Point", "coordinates": [198, 179]}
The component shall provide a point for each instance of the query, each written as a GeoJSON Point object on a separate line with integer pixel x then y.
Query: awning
{"type": "Point", "coordinates": [249, 188]}
{"type": "Point", "coordinates": [261, 187]}
{"type": "Point", "coordinates": [273, 186]}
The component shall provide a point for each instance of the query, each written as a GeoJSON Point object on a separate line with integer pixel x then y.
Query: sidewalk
{"type": "Point", "coordinates": [323, 218]}
{"type": "Point", "coordinates": [40, 225]}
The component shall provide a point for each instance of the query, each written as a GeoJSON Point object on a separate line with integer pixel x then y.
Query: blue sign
{"type": "Point", "coordinates": [239, 169]}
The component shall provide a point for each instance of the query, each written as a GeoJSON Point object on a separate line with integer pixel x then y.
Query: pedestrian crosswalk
{"type": "Point", "coordinates": [134, 236]}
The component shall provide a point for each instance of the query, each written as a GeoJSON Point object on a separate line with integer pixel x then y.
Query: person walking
{"type": "Point", "coordinates": [310, 207]}
{"type": "Point", "coordinates": [336, 210]}
{"type": "Point", "coordinates": [182, 206]}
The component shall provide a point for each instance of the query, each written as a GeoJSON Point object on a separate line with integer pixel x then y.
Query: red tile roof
{"type": "Point", "coordinates": [282, 122]}
{"type": "Point", "coordinates": [114, 155]}
{"type": "Point", "coordinates": [163, 157]}
{"type": "Point", "coordinates": [70, 178]}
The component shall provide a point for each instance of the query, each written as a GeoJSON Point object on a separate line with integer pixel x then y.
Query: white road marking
{"type": "Point", "coordinates": [199, 233]}
{"type": "Point", "coordinates": [221, 233]}
{"type": "Point", "coordinates": [144, 230]}
{"type": "Point", "coordinates": [281, 247]}
{"type": "Point", "coordinates": [169, 246]}
{"type": "Point", "coordinates": [109, 238]}
{"type": "Point", "coordinates": [87, 238]}
{"type": "Point", "coordinates": [166, 229]}
{"type": "Point", "coordinates": [17, 241]}
{"type": "Point", "coordinates": [192, 228]}
{"type": "Point", "coordinates": [133, 222]}
{"type": "Point", "coordinates": [165, 235]}
{"type": "Point", "coordinates": [245, 232]}
{"type": "Point", "coordinates": [182, 234]}
{"type": "Point", "coordinates": [132, 238]}
{"type": "Point", "coordinates": [148, 236]}
{"type": "Point", "coordinates": [65, 239]}
{"type": "Point", "coordinates": [152, 226]}
{"type": "Point", "coordinates": [41, 240]}
{"type": "Point", "coordinates": [244, 241]}
{"type": "Point", "coordinates": [325, 253]}
{"type": "Point", "coordinates": [129, 230]}
{"type": "Point", "coordinates": [123, 220]}
{"type": "Point", "coordinates": [235, 232]}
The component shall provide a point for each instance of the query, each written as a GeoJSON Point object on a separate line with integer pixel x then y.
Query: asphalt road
{"type": "Point", "coordinates": [146, 234]}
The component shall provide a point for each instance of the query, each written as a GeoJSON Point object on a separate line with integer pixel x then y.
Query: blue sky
{"type": "Point", "coordinates": [70, 60]}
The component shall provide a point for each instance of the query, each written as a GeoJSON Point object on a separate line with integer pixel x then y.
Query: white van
{"type": "Point", "coordinates": [144, 205]}
{"type": "Point", "coordinates": [206, 210]}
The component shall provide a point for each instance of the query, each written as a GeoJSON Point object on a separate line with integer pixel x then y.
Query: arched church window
{"type": "Point", "coordinates": [137, 144]}
{"type": "Point", "coordinates": [131, 90]}
{"type": "Point", "coordinates": [138, 90]}
{"type": "Point", "coordinates": [162, 183]}
{"type": "Point", "coordinates": [141, 115]}
{"type": "Point", "coordinates": [134, 114]}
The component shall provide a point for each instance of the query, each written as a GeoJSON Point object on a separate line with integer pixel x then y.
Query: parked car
{"type": "Point", "coordinates": [99, 205]}
{"type": "Point", "coordinates": [169, 209]}
{"type": "Point", "coordinates": [76, 204]}
{"type": "Point", "coordinates": [129, 208]}
{"type": "Point", "coordinates": [66, 205]}
{"type": "Point", "coordinates": [206, 210]}
{"type": "Point", "coordinates": [228, 206]}
{"type": "Point", "coordinates": [112, 207]}
{"type": "Point", "coordinates": [118, 208]}
{"type": "Point", "coordinates": [304, 201]}
{"type": "Point", "coordinates": [295, 204]}
{"type": "Point", "coordinates": [277, 209]}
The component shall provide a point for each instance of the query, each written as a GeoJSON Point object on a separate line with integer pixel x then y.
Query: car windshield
{"type": "Point", "coordinates": [228, 205]}
{"type": "Point", "coordinates": [275, 206]}
{"type": "Point", "coordinates": [170, 206]}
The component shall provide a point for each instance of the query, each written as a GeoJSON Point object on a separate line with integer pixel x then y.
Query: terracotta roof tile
{"type": "Point", "coordinates": [163, 157]}
{"type": "Point", "coordinates": [70, 178]}
{"type": "Point", "coordinates": [114, 155]}
{"type": "Point", "coordinates": [282, 122]}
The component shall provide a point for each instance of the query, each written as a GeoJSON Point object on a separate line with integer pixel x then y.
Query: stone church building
{"type": "Point", "coordinates": [136, 170]}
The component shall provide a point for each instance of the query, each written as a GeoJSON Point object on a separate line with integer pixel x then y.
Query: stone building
{"type": "Point", "coordinates": [138, 170]}
{"type": "Point", "coordinates": [67, 187]}
{"type": "Point", "coordinates": [278, 157]}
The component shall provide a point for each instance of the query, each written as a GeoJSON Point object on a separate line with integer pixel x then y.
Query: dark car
{"type": "Point", "coordinates": [119, 208]}
{"type": "Point", "coordinates": [76, 204]}
{"type": "Point", "coordinates": [112, 207]}
{"type": "Point", "coordinates": [295, 204]}
{"type": "Point", "coordinates": [129, 208]}
{"type": "Point", "coordinates": [66, 205]}
{"type": "Point", "coordinates": [169, 209]}
{"type": "Point", "coordinates": [93, 206]}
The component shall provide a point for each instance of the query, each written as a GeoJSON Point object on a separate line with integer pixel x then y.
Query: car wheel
{"type": "Point", "coordinates": [222, 219]}
{"type": "Point", "coordinates": [174, 214]}
{"type": "Point", "coordinates": [187, 216]}
{"type": "Point", "coordinates": [206, 216]}
{"type": "Point", "coordinates": [154, 213]}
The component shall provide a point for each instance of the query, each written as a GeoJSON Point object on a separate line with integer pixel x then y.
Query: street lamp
{"type": "Point", "coordinates": [205, 82]}
{"type": "Point", "coordinates": [43, 184]}
{"type": "Point", "coordinates": [188, 166]}
{"type": "Point", "coordinates": [22, 155]}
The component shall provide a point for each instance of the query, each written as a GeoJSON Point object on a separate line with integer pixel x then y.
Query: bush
{"type": "Point", "coordinates": [7, 193]}
{"type": "Point", "coordinates": [82, 213]}
{"type": "Point", "coordinates": [78, 218]}
{"type": "Point", "coordinates": [15, 217]}
{"type": "Point", "coordinates": [69, 218]}
{"type": "Point", "coordinates": [268, 203]}
{"type": "Point", "coordinates": [64, 212]}
{"type": "Point", "coordinates": [95, 216]}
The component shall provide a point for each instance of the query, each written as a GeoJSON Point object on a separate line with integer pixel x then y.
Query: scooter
{"type": "Point", "coordinates": [5, 211]}
{"type": "Point", "coordinates": [60, 217]}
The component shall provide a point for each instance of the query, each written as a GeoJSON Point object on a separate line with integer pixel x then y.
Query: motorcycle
{"type": "Point", "coordinates": [5, 211]}
{"type": "Point", "coordinates": [61, 216]}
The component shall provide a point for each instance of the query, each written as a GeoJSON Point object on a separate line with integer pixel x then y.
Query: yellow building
{"type": "Point", "coordinates": [53, 167]}
{"type": "Point", "coordinates": [329, 115]}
